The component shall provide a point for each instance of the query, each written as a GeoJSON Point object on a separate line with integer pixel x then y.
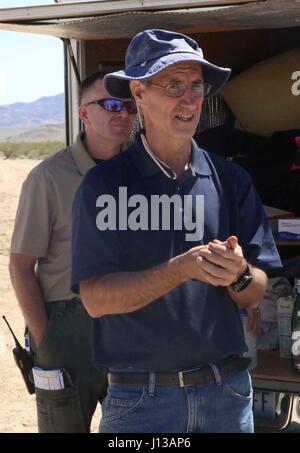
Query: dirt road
{"type": "Point", "coordinates": [17, 407]}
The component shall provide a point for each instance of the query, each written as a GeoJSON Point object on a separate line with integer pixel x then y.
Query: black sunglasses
{"type": "Point", "coordinates": [116, 105]}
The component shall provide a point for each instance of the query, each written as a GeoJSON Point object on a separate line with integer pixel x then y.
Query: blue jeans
{"type": "Point", "coordinates": [222, 407]}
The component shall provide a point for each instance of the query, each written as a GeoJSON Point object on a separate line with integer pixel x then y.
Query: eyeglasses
{"type": "Point", "coordinates": [177, 89]}
{"type": "Point", "coordinates": [116, 105]}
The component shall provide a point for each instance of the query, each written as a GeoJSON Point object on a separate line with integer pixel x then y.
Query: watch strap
{"type": "Point", "coordinates": [243, 281]}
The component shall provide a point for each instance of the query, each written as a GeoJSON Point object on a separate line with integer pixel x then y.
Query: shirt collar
{"type": "Point", "coordinates": [199, 163]}
{"type": "Point", "coordinates": [148, 167]}
{"type": "Point", "coordinates": [82, 158]}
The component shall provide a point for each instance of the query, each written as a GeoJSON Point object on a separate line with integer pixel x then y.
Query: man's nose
{"type": "Point", "coordinates": [188, 97]}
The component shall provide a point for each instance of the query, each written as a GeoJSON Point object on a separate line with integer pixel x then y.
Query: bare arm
{"type": "Point", "coordinates": [218, 263]}
{"type": "Point", "coordinates": [28, 293]}
{"type": "Point", "coordinates": [125, 292]}
{"type": "Point", "coordinates": [253, 321]}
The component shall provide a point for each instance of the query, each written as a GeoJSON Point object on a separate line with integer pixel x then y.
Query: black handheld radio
{"type": "Point", "coordinates": [23, 361]}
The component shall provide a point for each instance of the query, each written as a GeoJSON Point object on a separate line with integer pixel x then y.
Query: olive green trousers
{"type": "Point", "coordinates": [67, 345]}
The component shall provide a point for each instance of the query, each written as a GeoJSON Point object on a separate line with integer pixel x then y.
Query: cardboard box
{"type": "Point", "coordinates": [289, 229]}
{"type": "Point", "coordinates": [285, 307]}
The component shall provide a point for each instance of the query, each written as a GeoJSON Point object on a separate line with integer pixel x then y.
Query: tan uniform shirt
{"type": "Point", "coordinates": [43, 220]}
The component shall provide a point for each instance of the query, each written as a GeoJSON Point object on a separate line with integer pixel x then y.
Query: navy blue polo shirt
{"type": "Point", "coordinates": [195, 323]}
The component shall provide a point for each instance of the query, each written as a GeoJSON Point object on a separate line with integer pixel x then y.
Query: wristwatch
{"type": "Point", "coordinates": [244, 280]}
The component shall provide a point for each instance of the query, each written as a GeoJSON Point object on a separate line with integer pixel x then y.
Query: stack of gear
{"type": "Point", "coordinates": [273, 163]}
{"type": "Point", "coordinates": [267, 110]}
{"type": "Point", "coordinates": [268, 337]}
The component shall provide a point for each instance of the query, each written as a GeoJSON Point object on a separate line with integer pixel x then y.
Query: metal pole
{"type": "Point", "coordinates": [72, 58]}
{"type": "Point", "coordinates": [66, 85]}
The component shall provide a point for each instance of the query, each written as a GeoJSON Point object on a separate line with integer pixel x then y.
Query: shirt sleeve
{"type": "Point", "coordinates": [254, 232]}
{"type": "Point", "coordinates": [33, 218]}
{"type": "Point", "coordinates": [95, 252]}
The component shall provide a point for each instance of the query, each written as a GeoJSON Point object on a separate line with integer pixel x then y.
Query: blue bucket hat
{"type": "Point", "coordinates": [153, 51]}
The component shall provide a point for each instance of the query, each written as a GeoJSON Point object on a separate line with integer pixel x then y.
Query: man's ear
{"type": "Point", "coordinates": [83, 114]}
{"type": "Point", "coordinates": [137, 90]}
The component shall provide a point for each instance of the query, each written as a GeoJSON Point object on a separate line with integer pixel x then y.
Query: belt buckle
{"type": "Point", "coordinates": [181, 377]}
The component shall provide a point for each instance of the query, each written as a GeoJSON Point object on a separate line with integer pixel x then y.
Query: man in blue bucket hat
{"type": "Point", "coordinates": [168, 242]}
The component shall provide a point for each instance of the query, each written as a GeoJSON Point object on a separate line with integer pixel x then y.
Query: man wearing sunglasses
{"type": "Point", "coordinates": [40, 262]}
{"type": "Point", "coordinates": [164, 278]}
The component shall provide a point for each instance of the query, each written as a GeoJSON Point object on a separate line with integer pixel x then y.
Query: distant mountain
{"type": "Point", "coordinates": [28, 115]}
{"type": "Point", "coordinates": [44, 133]}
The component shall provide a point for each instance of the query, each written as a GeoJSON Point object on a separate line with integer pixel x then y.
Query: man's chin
{"type": "Point", "coordinates": [121, 136]}
{"type": "Point", "coordinates": [186, 133]}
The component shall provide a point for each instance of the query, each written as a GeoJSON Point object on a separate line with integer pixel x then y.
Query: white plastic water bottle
{"type": "Point", "coordinates": [250, 341]}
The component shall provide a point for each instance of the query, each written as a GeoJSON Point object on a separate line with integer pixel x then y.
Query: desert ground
{"type": "Point", "coordinates": [17, 407]}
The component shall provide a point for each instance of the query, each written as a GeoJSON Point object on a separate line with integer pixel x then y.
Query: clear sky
{"type": "Point", "coordinates": [31, 65]}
